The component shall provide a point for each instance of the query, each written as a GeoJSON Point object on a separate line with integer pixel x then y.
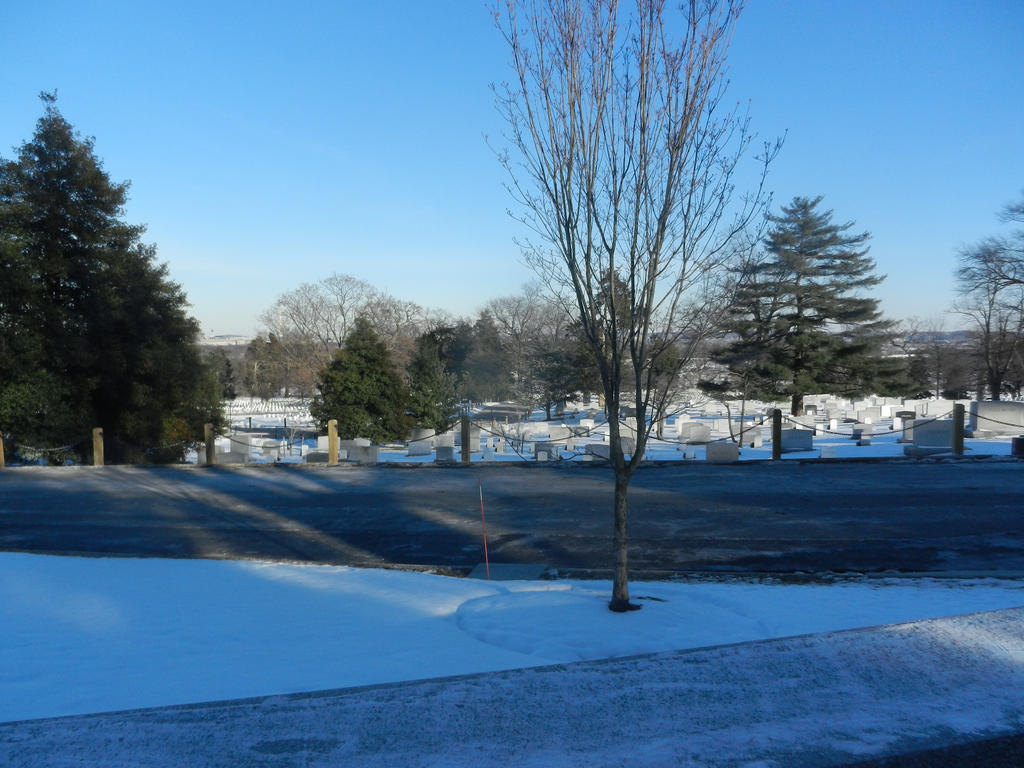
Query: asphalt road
{"type": "Point", "coordinates": [911, 516]}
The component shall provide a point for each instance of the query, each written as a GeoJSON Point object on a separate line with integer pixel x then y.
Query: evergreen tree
{"type": "Point", "coordinates": [432, 398]}
{"type": "Point", "coordinates": [556, 375]}
{"type": "Point", "coordinates": [800, 317]}
{"type": "Point", "coordinates": [220, 363]}
{"type": "Point", "coordinates": [476, 358]}
{"type": "Point", "coordinates": [266, 367]}
{"type": "Point", "coordinates": [454, 345]}
{"type": "Point", "coordinates": [95, 332]}
{"type": "Point", "coordinates": [487, 373]}
{"type": "Point", "coordinates": [362, 390]}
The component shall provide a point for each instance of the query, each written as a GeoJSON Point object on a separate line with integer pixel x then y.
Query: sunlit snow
{"type": "Point", "coordinates": [91, 634]}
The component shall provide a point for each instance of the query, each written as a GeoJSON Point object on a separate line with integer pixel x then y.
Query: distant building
{"type": "Point", "coordinates": [226, 340]}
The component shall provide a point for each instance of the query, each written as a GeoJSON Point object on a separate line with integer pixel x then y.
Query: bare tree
{"type": "Point", "coordinates": [539, 341]}
{"type": "Point", "coordinates": [312, 321]}
{"type": "Point", "coordinates": [518, 318]}
{"type": "Point", "coordinates": [992, 263]}
{"type": "Point", "coordinates": [997, 261]}
{"type": "Point", "coordinates": [319, 315]}
{"type": "Point", "coordinates": [991, 282]}
{"type": "Point", "coordinates": [398, 323]}
{"type": "Point", "coordinates": [624, 165]}
{"type": "Point", "coordinates": [997, 313]}
{"type": "Point", "coordinates": [940, 361]}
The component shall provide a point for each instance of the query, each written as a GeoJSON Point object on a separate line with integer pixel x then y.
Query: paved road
{"type": "Point", "coordinates": [934, 516]}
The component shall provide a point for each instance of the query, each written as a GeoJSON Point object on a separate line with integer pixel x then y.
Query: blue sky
{"type": "Point", "coordinates": [269, 146]}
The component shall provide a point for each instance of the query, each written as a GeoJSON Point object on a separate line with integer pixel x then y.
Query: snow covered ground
{"type": "Point", "coordinates": [84, 635]}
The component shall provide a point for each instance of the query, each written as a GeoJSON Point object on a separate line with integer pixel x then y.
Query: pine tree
{"type": "Point", "coordinates": [801, 320]}
{"type": "Point", "coordinates": [362, 390]}
{"type": "Point", "coordinates": [432, 398]}
{"type": "Point", "coordinates": [487, 375]}
{"type": "Point", "coordinates": [96, 334]}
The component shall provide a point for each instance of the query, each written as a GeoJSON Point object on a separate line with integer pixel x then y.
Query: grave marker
{"type": "Point", "coordinates": [1001, 418]}
{"type": "Point", "coordinates": [694, 432]}
{"type": "Point", "coordinates": [722, 453]}
{"type": "Point", "coordinates": [795, 440]}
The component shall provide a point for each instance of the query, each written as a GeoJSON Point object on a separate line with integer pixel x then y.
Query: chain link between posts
{"type": "Point", "coordinates": [816, 428]}
{"type": "Point", "coordinates": [997, 421]}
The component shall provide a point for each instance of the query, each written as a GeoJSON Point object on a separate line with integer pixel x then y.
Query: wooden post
{"type": "Point", "coordinates": [465, 438]}
{"type": "Point", "coordinates": [332, 441]}
{"type": "Point", "coordinates": [958, 429]}
{"type": "Point", "coordinates": [776, 434]}
{"type": "Point", "coordinates": [3, 463]}
{"type": "Point", "coordinates": [97, 447]}
{"type": "Point", "coordinates": [211, 447]}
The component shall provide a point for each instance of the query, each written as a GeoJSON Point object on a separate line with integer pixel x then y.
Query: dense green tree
{"type": "Point", "coordinates": [432, 397]}
{"type": "Point", "coordinates": [95, 332]}
{"type": "Point", "coordinates": [487, 376]}
{"type": "Point", "coordinates": [475, 355]}
{"type": "Point", "coordinates": [561, 367]}
{"type": "Point", "coordinates": [362, 389]}
{"type": "Point", "coordinates": [272, 371]}
{"type": "Point", "coordinates": [801, 320]}
{"type": "Point", "coordinates": [454, 343]}
{"type": "Point", "coordinates": [556, 376]}
{"type": "Point", "coordinates": [219, 361]}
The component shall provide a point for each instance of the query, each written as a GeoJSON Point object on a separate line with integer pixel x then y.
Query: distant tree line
{"type": "Point", "coordinates": [94, 333]}
{"type": "Point", "coordinates": [794, 317]}
{"type": "Point", "coordinates": [320, 339]}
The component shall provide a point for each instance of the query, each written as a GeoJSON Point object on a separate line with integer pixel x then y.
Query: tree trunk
{"type": "Point", "coordinates": [620, 589]}
{"type": "Point", "coordinates": [995, 387]}
{"type": "Point", "coordinates": [797, 405]}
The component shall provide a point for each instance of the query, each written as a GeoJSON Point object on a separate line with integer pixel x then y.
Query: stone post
{"type": "Point", "coordinates": [776, 434]}
{"type": "Point", "coordinates": [332, 442]}
{"type": "Point", "coordinates": [465, 438]}
{"type": "Point", "coordinates": [958, 429]}
{"type": "Point", "coordinates": [97, 447]}
{"type": "Point", "coordinates": [211, 446]}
